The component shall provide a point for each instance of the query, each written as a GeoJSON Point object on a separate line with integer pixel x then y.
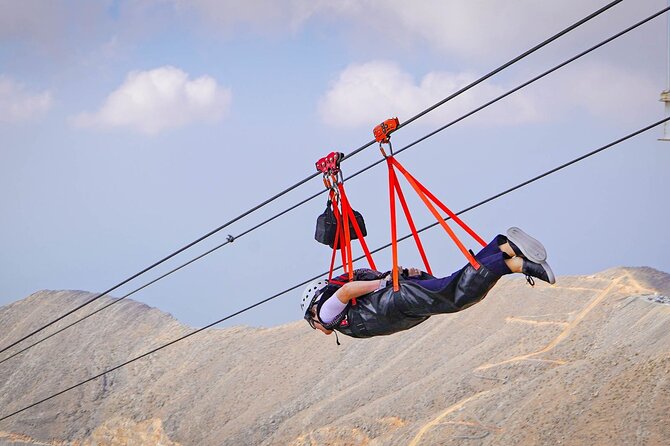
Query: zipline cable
{"type": "Point", "coordinates": [496, 71]}
{"type": "Point", "coordinates": [115, 301]}
{"type": "Point", "coordinates": [299, 183]}
{"type": "Point", "coordinates": [498, 195]}
{"type": "Point", "coordinates": [163, 260]}
{"type": "Point", "coordinates": [517, 88]}
{"type": "Point", "coordinates": [231, 238]}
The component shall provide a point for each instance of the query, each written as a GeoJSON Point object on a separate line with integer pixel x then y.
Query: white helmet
{"type": "Point", "coordinates": [310, 293]}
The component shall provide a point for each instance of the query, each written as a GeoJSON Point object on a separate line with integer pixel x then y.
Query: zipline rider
{"type": "Point", "coordinates": [379, 310]}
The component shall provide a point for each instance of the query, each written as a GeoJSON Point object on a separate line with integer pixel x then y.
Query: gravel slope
{"type": "Point", "coordinates": [586, 361]}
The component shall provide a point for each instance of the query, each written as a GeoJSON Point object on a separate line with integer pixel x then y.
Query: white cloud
{"type": "Point", "coordinates": [156, 100]}
{"type": "Point", "coordinates": [604, 90]}
{"type": "Point", "coordinates": [481, 31]}
{"type": "Point", "coordinates": [19, 104]}
{"type": "Point", "coordinates": [366, 93]}
{"type": "Point", "coordinates": [474, 29]}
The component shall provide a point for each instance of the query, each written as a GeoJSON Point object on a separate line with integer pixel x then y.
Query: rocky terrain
{"type": "Point", "coordinates": [583, 362]}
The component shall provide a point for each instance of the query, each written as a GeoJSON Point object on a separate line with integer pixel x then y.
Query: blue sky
{"type": "Point", "coordinates": [130, 128]}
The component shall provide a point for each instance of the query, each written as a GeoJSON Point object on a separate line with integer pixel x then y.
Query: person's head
{"type": "Point", "coordinates": [314, 322]}
{"type": "Point", "coordinates": [310, 297]}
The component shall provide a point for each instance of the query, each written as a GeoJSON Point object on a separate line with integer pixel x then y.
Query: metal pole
{"type": "Point", "coordinates": [665, 95]}
{"type": "Point", "coordinates": [667, 85]}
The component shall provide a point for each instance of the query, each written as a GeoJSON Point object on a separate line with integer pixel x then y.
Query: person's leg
{"type": "Point", "coordinates": [493, 247]}
{"type": "Point", "coordinates": [501, 264]}
{"type": "Point", "coordinates": [495, 255]}
{"type": "Point", "coordinates": [436, 284]}
{"type": "Point", "coordinates": [524, 243]}
{"type": "Point", "coordinates": [498, 263]}
{"type": "Point", "coordinates": [492, 256]}
{"type": "Point", "coordinates": [468, 285]}
{"type": "Point", "coordinates": [499, 258]}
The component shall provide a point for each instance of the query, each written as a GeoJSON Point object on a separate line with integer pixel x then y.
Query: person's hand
{"type": "Point", "coordinates": [413, 272]}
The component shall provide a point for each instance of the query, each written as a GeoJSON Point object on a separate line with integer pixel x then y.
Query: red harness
{"type": "Point", "coordinates": [344, 215]}
{"type": "Point", "coordinates": [383, 135]}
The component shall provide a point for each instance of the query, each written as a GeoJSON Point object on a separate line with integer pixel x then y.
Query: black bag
{"type": "Point", "coordinates": [326, 227]}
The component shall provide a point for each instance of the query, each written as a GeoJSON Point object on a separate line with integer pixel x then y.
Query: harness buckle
{"type": "Point", "coordinates": [330, 164]}
{"type": "Point", "coordinates": [383, 131]}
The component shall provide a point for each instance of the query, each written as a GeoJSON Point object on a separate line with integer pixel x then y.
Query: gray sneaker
{"type": "Point", "coordinates": [540, 271]}
{"type": "Point", "coordinates": [526, 246]}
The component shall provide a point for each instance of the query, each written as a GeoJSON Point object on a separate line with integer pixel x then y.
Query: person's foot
{"type": "Point", "coordinates": [526, 246]}
{"type": "Point", "coordinates": [540, 271]}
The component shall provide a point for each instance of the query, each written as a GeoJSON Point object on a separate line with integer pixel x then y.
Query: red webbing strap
{"type": "Point", "coordinates": [345, 245]}
{"type": "Point", "coordinates": [349, 269]}
{"type": "Point", "coordinates": [332, 258]}
{"type": "Point", "coordinates": [394, 232]}
{"type": "Point", "coordinates": [410, 220]}
{"type": "Point", "coordinates": [357, 229]}
{"type": "Point", "coordinates": [442, 206]}
{"type": "Point", "coordinates": [345, 248]}
{"type": "Point", "coordinates": [340, 280]}
{"type": "Point", "coordinates": [344, 227]}
{"type": "Point", "coordinates": [420, 191]}
{"type": "Point", "coordinates": [337, 238]}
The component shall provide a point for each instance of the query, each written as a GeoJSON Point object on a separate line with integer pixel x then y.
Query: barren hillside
{"type": "Point", "coordinates": [584, 362]}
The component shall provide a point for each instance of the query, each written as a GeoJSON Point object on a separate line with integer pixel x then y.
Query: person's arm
{"type": "Point", "coordinates": [336, 303]}
{"type": "Point", "coordinates": [353, 290]}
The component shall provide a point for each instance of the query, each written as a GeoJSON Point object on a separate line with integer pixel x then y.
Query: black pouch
{"type": "Point", "coordinates": [326, 227]}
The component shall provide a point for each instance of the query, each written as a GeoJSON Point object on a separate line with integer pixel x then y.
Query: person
{"type": "Point", "coordinates": [378, 310]}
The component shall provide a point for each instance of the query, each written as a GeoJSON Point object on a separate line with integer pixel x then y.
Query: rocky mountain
{"type": "Point", "coordinates": [583, 362]}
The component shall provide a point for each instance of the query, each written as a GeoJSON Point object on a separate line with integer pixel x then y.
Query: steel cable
{"type": "Point", "coordinates": [487, 200]}
{"type": "Point", "coordinates": [299, 183]}
{"type": "Point", "coordinates": [231, 238]}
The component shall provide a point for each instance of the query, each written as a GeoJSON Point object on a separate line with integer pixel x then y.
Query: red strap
{"type": "Point", "coordinates": [343, 236]}
{"type": "Point", "coordinates": [347, 236]}
{"type": "Point", "coordinates": [357, 229]}
{"type": "Point", "coordinates": [339, 237]}
{"type": "Point", "coordinates": [332, 257]}
{"type": "Point", "coordinates": [410, 221]}
{"type": "Point", "coordinates": [344, 228]}
{"type": "Point", "coordinates": [442, 206]}
{"type": "Point", "coordinates": [394, 232]}
{"type": "Point", "coordinates": [423, 192]}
